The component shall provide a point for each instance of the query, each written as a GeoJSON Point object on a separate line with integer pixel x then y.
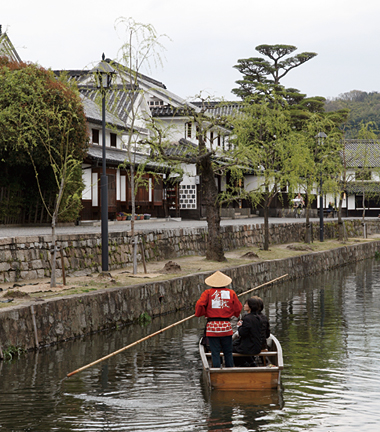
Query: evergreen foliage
{"type": "Point", "coordinates": [363, 108]}
{"type": "Point", "coordinates": [41, 123]}
{"type": "Point", "coordinates": [262, 78]}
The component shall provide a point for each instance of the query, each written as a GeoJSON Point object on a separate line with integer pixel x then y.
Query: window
{"type": "Point", "coordinates": [188, 129]}
{"type": "Point", "coordinates": [95, 136]}
{"type": "Point", "coordinates": [113, 139]}
{"type": "Point", "coordinates": [218, 140]}
{"type": "Point", "coordinates": [211, 138]}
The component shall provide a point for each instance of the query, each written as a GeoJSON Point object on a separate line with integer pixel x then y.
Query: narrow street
{"type": "Point", "coordinates": [146, 225]}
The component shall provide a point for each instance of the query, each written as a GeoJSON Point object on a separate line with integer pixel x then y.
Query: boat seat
{"type": "Point", "coordinates": [263, 353]}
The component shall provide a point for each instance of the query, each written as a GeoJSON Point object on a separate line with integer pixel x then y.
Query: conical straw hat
{"type": "Point", "coordinates": [218, 280]}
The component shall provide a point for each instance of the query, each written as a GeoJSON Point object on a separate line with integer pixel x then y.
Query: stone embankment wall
{"type": "Point", "coordinates": [55, 320]}
{"type": "Point", "coordinates": [27, 258]}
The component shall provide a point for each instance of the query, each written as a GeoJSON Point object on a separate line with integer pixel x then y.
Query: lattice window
{"type": "Point", "coordinates": [188, 197]}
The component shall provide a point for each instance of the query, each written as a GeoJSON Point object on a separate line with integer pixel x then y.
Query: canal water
{"type": "Point", "coordinates": [329, 328]}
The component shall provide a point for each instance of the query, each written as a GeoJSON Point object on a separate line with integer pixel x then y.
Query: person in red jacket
{"type": "Point", "coordinates": [218, 304]}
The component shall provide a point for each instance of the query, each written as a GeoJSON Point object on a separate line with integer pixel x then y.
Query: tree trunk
{"type": "Point", "coordinates": [214, 247]}
{"type": "Point", "coordinates": [307, 215]}
{"type": "Point", "coordinates": [53, 282]}
{"type": "Point", "coordinates": [341, 231]}
{"type": "Point", "coordinates": [363, 203]}
{"type": "Point", "coordinates": [54, 218]}
{"type": "Point", "coordinates": [363, 219]}
{"type": "Point", "coordinates": [266, 221]}
{"type": "Point", "coordinates": [133, 201]}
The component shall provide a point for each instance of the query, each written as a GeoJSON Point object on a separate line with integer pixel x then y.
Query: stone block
{"type": "Point", "coordinates": [4, 266]}
{"type": "Point", "coordinates": [36, 264]}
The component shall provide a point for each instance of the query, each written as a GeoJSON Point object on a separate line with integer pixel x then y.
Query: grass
{"type": "Point", "coordinates": [11, 352]}
{"type": "Point", "coordinates": [189, 264]}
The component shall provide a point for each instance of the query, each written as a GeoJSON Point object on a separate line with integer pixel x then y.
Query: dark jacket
{"type": "Point", "coordinates": [250, 336]}
{"type": "Point", "coordinates": [265, 330]}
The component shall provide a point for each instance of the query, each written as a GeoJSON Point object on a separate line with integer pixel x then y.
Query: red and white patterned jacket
{"type": "Point", "coordinates": [218, 303]}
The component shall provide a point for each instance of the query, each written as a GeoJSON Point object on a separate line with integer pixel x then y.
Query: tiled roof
{"type": "Point", "coordinates": [182, 148]}
{"type": "Point", "coordinates": [214, 109]}
{"type": "Point", "coordinates": [360, 187]}
{"type": "Point", "coordinates": [116, 157]}
{"type": "Point", "coordinates": [140, 76]}
{"type": "Point", "coordinates": [73, 73]}
{"type": "Point", "coordinates": [167, 111]}
{"type": "Point", "coordinates": [94, 115]}
{"type": "Point", "coordinates": [362, 153]}
{"type": "Point", "coordinates": [7, 49]}
{"type": "Point", "coordinates": [219, 108]}
{"type": "Point", "coordinates": [118, 98]}
{"type": "Point", "coordinates": [150, 86]}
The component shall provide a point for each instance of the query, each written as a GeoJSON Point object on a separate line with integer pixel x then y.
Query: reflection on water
{"type": "Point", "coordinates": [329, 329]}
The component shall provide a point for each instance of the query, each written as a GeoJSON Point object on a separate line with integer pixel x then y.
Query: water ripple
{"type": "Point", "coordinates": [328, 325]}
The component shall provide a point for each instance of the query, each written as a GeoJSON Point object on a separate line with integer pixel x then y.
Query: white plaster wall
{"type": "Point", "coordinates": [123, 188]}
{"type": "Point", "coordinates": [252, 183]}
{"type": "Point", "coordinates": [350, 175]}
{"type": "Point", "coordinates": [119, 138]}
{"type": "Point", "coordinates": [118, 186]}
{"type": "Point", "coordinates": [223, 184]}
{"type": "Point", "coordinates": [150, 190]}
{"type": "Point", "coordinates": [95, 201]}
{"type": "Point", "coordinates": [86, 176]}
{"type": "Point", "coordinates": [189, 170]}
{"type": "Point", "coordinates": [175, 129]}
{"type": "Point", "coordinates": [351, 202]}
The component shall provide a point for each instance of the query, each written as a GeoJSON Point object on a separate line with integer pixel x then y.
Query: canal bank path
{"type": "Point", "coordinates": [160, 269]}
{"type": "Point", "coordinates": [93, 227]}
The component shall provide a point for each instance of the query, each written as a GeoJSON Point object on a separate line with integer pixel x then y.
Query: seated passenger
{"type": "Point", "coordinates": [265, 328]}
{"type": "Point", "coordinates": [249, 341]}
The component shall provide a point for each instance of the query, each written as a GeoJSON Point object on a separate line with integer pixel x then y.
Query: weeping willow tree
{"type": "Point", "coordinates": [321, 163]}
{"type": "Point", "coordinates": [210, 160]}
{"type": "Point", "coordinates": [141, 50]}
{"type": "Point", "coordinates": [264, 129]}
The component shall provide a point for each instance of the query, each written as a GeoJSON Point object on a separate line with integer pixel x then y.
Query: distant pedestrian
{"type": "Point", "coordinates": [298, 205]}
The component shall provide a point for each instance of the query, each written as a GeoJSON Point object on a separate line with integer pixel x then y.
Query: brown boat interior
{"type": "Point", "coordinates": [265, 358]}
{"type": "Point", "coordinates": [265, 373]}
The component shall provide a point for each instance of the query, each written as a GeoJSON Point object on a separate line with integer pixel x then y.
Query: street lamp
{"type": "Point", "coordinates": [103, 78]}
{"type": "Point", "coordinates": [321, 136]}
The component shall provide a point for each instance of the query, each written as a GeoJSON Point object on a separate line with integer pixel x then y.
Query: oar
{"type": "Point", "coordinates": [260, 286]}
{"type": "Point", "coordinates": [128, 346]}
{"type": "Point", "coordinates": [158, 332]}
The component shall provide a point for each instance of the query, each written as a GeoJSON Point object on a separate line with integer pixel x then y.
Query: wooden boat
{"type": "Point", "coordinates": [265, 376]}
{"type": "Point", "coordinates": [270, 398]}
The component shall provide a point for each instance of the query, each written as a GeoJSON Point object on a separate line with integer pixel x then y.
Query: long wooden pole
{"type": "Point", "coordinates": [128, 346]}
{"type": "Point", "coordinates": [159, 331]}
{"type": "Point", "coordinates": [260, 286]}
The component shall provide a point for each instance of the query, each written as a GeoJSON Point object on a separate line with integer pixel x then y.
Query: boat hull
{"type": "Point", "coordinates": [246, 378]}
{"type": "Point", "coordinates": [243, 381]}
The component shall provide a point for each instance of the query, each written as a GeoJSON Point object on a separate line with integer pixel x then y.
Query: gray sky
{"type": "Point", "coordinates": [207, 39]}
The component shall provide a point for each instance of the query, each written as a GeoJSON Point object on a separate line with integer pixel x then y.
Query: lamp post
{"type": "Point", "coordinates": [103, 77]}
{"type": "Point", "coordinates": [321, 136]}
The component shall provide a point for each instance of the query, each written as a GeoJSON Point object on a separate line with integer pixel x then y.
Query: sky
{"type": "Point", "coordinates": [205, 38]}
